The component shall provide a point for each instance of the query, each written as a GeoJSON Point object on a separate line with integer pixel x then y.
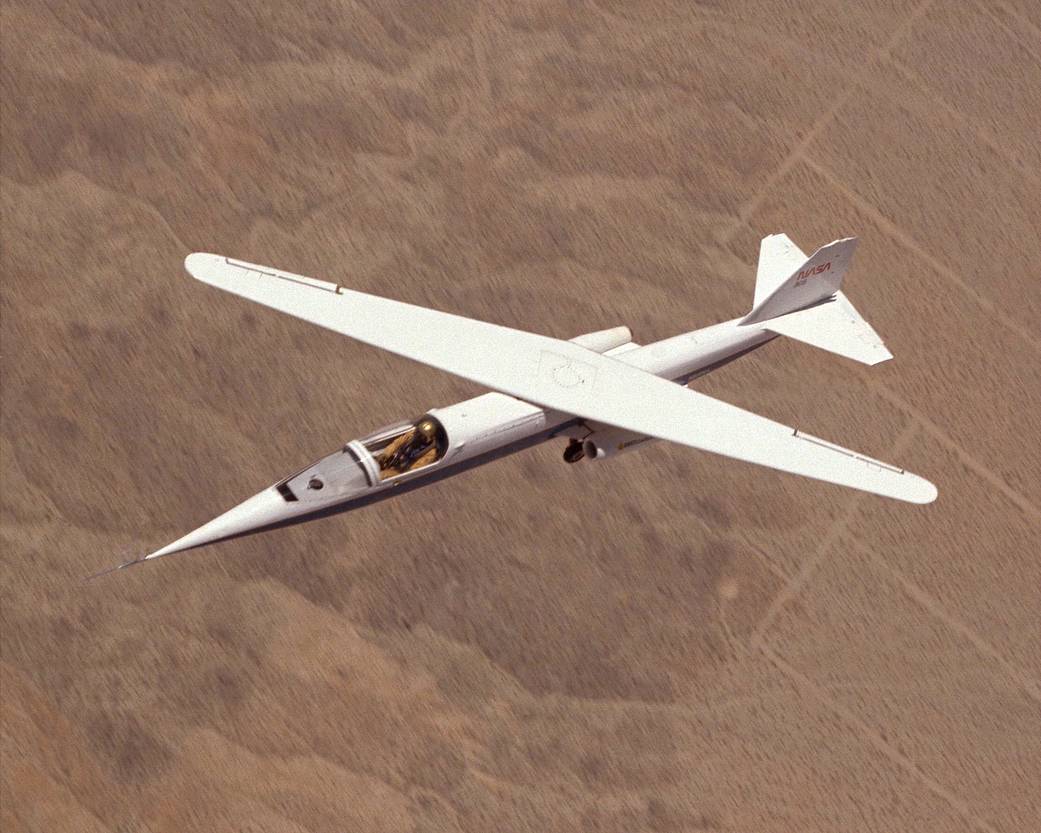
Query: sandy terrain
{"type": "Point", "coordinates": [666, 641]}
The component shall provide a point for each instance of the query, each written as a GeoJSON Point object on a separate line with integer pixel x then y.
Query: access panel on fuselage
{"type": "Point", "coordinates": [487, 422]}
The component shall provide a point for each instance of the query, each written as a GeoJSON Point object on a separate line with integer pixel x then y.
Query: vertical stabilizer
{"type": "Point", "coordinates": [816, 279]}
{"type": "Point", "coordinates": [778, 258]}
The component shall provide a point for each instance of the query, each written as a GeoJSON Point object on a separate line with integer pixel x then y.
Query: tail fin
{"type": "Point", "coordinates": [779, 258]}
{"type": "Point", "coordinates": [800, 297]}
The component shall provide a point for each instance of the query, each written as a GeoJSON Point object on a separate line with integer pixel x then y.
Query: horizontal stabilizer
{"type": "Point", "coordinates": [833, 325]}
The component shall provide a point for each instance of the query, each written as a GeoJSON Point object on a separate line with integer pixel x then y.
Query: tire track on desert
{"type": "Point", "coordinates": [916, 248]}
{"type": "Point", "coordinates": [915, 79]}
{"type": "Point", "coordinates": [866, 733]}
{"type": "Point", "coordinates": [818, 127]}
{"type": "Point", "coordinates": [1029, 685]}
{"type": "Point", "coordinates": [970, 462]}
{"type": "Point", "coordinates": [809, 567]}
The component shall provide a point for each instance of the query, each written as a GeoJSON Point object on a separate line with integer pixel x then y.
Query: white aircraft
{"type": "Point", "coordinates": [604, 393]}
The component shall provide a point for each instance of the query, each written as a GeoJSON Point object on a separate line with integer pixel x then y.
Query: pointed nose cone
{"type": "Point", "coordinates": [262, 509]}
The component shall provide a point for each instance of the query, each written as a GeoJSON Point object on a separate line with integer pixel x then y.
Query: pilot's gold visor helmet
{"type": "Point", "coordinates": [427, 429]}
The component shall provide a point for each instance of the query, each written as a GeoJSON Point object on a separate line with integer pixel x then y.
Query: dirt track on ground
{"type": "Point", "coordinates": [664, 641]}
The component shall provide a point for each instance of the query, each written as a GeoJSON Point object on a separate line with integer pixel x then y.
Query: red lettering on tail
{"type": "Point", "coordinates": [809, 273]}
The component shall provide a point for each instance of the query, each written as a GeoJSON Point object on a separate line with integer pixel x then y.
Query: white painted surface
{"type": "Point", "coordinates": [563, 376]}
{"type": "Point", "coordinates": [489, 421]}
{"type": "Point", "coordinates": [603, 341]}
{"type": "Point", "coordinates": [835, 326]}
{"type": "Point", "coordinates": [779, 257]}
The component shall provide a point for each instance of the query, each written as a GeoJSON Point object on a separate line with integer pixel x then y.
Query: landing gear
{"type": "Point", "coordinates": [573, 453]}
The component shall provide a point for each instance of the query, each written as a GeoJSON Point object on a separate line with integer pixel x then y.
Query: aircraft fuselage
{"type": "Point", "coordinates": [447, 441]}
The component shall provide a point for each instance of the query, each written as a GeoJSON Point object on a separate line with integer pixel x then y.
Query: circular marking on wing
{"type": "Point", "coordinates": [567, 376]}
{"type": "Point", "coordinates": [564, 372]}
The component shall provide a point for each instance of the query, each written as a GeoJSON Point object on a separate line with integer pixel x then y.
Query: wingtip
{"type": "Point", "coordinates": [925, 491]}
{"type": "Point", "coordinates": [197, 264]}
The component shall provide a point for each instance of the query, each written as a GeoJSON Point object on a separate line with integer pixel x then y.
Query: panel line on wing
{"type": "Point", "coordinates": [313, 283]}
{"type": "Point", "coordinates": [832, 447]}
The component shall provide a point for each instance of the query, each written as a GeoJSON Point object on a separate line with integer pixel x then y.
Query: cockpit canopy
{"type": "Point", "coordinates": [360, 465]}
{"type": "Point", "coordinates": [407, 446]}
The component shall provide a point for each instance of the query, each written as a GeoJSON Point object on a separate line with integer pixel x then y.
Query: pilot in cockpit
{"type": "Point", "coordinates": [410, 447]}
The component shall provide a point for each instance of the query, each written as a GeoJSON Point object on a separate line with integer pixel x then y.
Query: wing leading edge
{"type": "Point", "coordinates": [558, 375]}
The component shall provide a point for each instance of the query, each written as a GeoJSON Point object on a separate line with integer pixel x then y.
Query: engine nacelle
{"type": "Point", "coordinates": [611, 441]}
{"type": "Point", "coordinates": [604, 340]}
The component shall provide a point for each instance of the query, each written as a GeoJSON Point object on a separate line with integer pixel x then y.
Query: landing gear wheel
{"type": "Point", "coordinates": [573, 453]}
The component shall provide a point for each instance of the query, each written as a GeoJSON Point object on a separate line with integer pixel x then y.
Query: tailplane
{"type": "Point", "coordinates": [801, 298]}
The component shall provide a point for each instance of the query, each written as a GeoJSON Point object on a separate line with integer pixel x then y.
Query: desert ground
{"type": "Point", "coordinates": [663, 641]}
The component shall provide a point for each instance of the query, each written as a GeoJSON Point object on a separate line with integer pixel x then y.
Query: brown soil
{"type": "Point", "coordinates": [666, 641]}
